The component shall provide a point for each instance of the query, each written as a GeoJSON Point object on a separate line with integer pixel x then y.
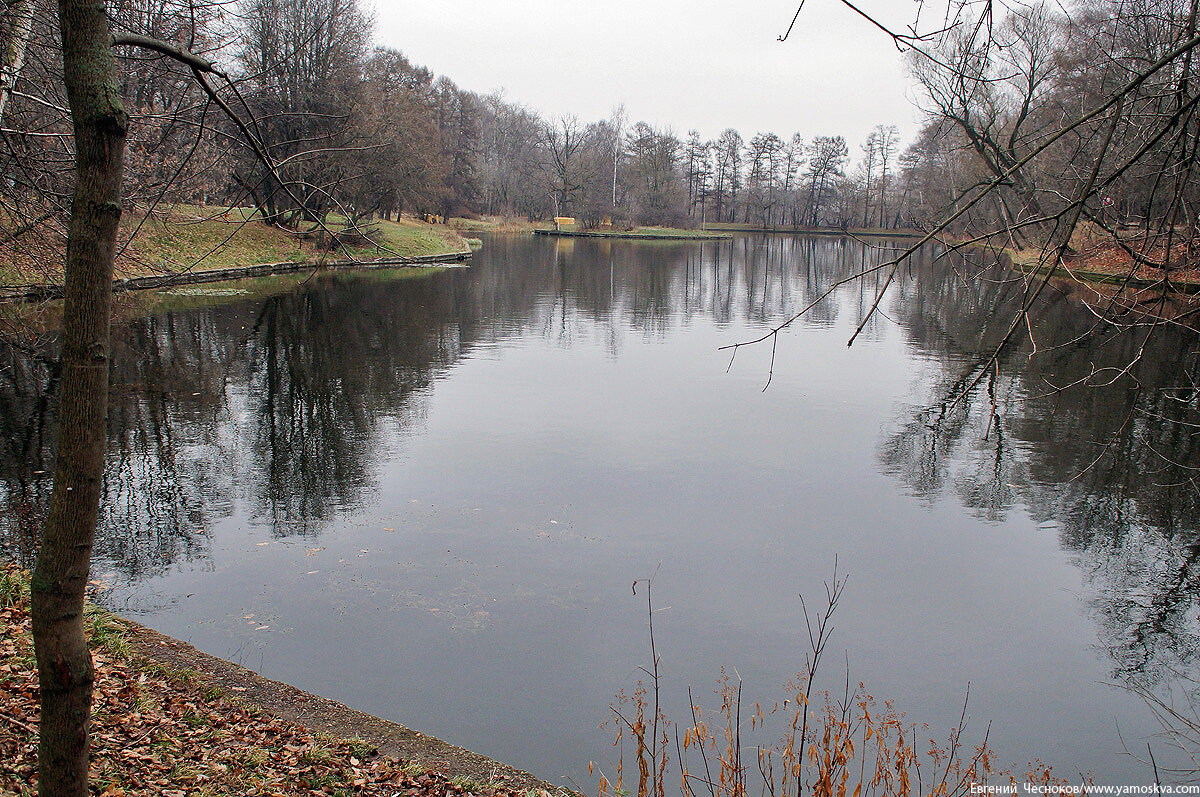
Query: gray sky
{"type": "Point", "coordinates": [685, 64]}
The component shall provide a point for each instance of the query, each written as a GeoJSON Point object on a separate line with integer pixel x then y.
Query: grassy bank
{"type": "Point", "coordinates": [505, 224]}
{"type": "Point", "coordinates": [640, 233]}
{"type": "Point", "coordinates": [492, 224]}
{"type": "Point", "coordinates": [164, 730]}
{"type": "Point", "coordinates": [190, 237]}
{"type": "Point", "coordinates": [1102, 271]}
{"type": "Point", "coordinates": [216, 294]}
{"type": "Point", "coordinates": [1097, 263]}
{"type": "Point", "coordinates": [1095, 258]}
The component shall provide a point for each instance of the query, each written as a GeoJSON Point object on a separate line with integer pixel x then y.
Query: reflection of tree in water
{"type": "Point", "coordinates": [760, 279]}
{"type": "Point", "coordinates": [166, 469]}
{"type": "Point", "coordinates": [165, 472]}
{"type": "Point", "coordinates": [944, 443]}
{"type": "Point", "coordinates": [324, 368]}
{"type": "Point", "coordinates": [1113, 466]}
{"type": "Point", "coordinates": [277, 405]}
{"type": "Point", "coordinates": [308, 409]}
{"type": "Point", "coordinates": [275, 402]}
{"type": "Point", "coordinates": [649, 288]}
{"type": "Point", "coordinates": [27, 380]}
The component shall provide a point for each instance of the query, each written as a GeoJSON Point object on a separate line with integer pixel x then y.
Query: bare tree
{"type": "Point", "coordinates": [728, 180]}
{"type": "Point", "coordinates": [695, 157]}
{"type": "Point", "coordinates": [887, 141]}
{"type": "Point", "coordinates": [657, 193]}
{"type": "Point", "coordinates": [827, 156]}
{"type": "Point", "coordinates": [764, 155]}
{"type": "Point", "coordinates": [565, 140]}
{"type": "Point", "coordinates": [793, 160]}
{"type": "Point", "coordinates": [617, 121]}
{"type": "Point", "coordinates": [513, 159]}
{"type": "Point", "coordinates": [60, 578]}
{"type": "Point", "coordinates": [19, 28]}
{"type": "Point", "coordinates": [100, 132]}
{"type": "Point", "coordinates": [401, 165]}
{"type": "Point", "coordinates": [302, 63]}
{"type": "Point", "coordinates": [870, 160]}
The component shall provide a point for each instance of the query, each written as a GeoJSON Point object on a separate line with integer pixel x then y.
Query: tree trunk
{"type": "Point", "coordinates": [20, 29]}
{"type": "Point", "coordinates": [61, 573]}
{"type": "Point", "coordinates": [883, 194]}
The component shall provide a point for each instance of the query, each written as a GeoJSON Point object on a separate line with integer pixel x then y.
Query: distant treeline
{"type": "Point", "coordinates": [357, 130]}
{"type": "Point", "coordinates": [330, 125]}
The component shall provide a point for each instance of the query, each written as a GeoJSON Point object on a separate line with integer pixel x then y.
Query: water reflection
{"type": "Point", "coordinates": [594, 430]}
{"type": "Point", "coordinates": [1093, 433]}
{"type": "Point", "coordinates": [26, 399]}
{"type": "Point", "coordinates": [282, 401]}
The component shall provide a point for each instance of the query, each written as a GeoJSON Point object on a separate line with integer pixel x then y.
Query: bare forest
{"type": "Point", "coordinates": [289, 108]}
{"type": "Point", "coordinates": [297, 114]}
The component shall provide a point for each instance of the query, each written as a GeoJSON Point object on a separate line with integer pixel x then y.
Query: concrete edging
{"type": "Point", "coordinates": [1101, 278]}
{"type": "Point", "coordinates": [38, 293]}
{"type": "Point", "coordinates": [320, 714]}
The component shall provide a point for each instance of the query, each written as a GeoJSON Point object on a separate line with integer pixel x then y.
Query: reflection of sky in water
{"type": "Point", "coordinates": [428, 499]}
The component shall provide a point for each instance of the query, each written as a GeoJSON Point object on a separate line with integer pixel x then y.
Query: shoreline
{"type": "Point", "coordinates": [1087, 269]}
{"type": "Point", "coordinates": [1182, 286]}
{"type": "Point", "coordinates": [18, 294]}
{"type": "Point", "coordinates": [248, 734]}
{"type": "Point", "coordinates": [638, 236]}
{"type": "Point", "coordinates": [282, 700]}
{"type": "Point", "coordinates": [835, 232]}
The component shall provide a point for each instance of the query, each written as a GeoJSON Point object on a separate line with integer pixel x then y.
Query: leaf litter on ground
{"type": "Point", "coordinates": [156, 731]}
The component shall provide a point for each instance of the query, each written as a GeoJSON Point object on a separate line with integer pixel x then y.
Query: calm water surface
{"type": "Point", "coordinates": [428, 498]}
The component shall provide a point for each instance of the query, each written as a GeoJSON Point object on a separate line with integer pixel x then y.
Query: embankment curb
{"type": "Point", "coordinates": [321, 714]}
{"type": "Point", "coordinates": [39, 293]}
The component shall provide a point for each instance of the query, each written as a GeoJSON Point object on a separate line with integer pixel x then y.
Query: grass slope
{"type": "Point", "coordinates": [190, 237]}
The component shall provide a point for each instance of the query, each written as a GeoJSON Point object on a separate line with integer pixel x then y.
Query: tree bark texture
{"type": "Point", "coordinates": [61, 573]}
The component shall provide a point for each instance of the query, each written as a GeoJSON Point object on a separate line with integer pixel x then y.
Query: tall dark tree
{"type": "Point", "coordinates": [764, 156]}
{"type": "Point", "coordinates": [458, 116]}
{"type": "Point", "coordinates": [401, 165]}
{"type": "Point", "coordinates": [65, 672]}
{"type": "Point", "coordinates": [512, 159]}
{"type": "Point", "coordinates": [100, 126]}
{"type": "Point", "coordinates": [657, 194]}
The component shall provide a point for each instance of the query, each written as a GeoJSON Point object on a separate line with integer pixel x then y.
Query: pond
{"type": "Point", "coordinates": [429, 498]}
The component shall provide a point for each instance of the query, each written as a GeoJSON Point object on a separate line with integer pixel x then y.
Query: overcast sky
{"type": "Point", "coordinates": [685, 64]}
